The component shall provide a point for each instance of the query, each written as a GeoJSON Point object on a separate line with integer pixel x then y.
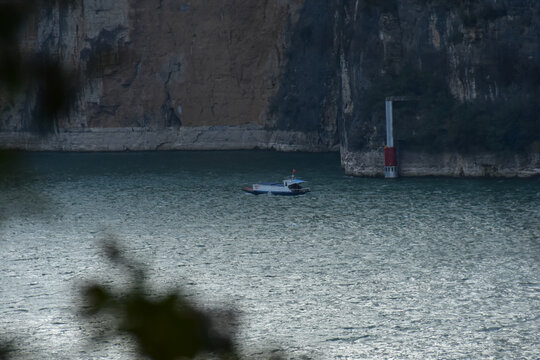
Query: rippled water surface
{"type": "Point", "coordinates": [358, 268]}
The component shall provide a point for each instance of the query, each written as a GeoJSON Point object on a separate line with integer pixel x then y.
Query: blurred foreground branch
{"type": "Point", "coordinates": [164, 328]}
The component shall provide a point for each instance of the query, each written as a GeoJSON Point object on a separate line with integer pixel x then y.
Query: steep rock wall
{"type": "Point", "coordinates": [474, 70]}
{"type": "Point", "coordinates": [308, 96]}
{"type": "Point", "coordinates": [306, 75]}
{"type": "Point", "coordinates": [166, 63]}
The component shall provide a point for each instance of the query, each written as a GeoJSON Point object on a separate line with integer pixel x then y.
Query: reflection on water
{"type": "Point", "coordinates": [358, 268]}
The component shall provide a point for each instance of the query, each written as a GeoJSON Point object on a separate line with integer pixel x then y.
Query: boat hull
{"type": "Point", "coordinates": [275, 192]}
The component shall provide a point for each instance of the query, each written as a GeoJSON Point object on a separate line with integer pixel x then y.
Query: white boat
{"type": "Point", "coordinates": [289, 186]}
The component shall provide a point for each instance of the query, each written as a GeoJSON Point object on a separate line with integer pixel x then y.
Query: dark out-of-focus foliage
{"type": "Point", "coordinates": [41, 73]}
{"type": "Point", "coordinates": [9, 161]}
{"type": "Point", "coordinates": [22, 71]}
{"type": "Point", "coordinates": [11, 17]}
{"type": "Point", "coordinates": [164, 328]}
{"type": "Point", "coordinates": [5, 350]}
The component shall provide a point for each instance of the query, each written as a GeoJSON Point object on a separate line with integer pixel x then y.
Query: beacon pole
{"type": "Point", "coordinates": [390, 158]}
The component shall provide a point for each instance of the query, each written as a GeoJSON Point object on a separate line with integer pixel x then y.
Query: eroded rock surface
{"type": "Point", "coordinates": [167, 63]}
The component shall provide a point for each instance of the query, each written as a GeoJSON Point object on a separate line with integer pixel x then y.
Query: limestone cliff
{"type": "Point", "coordinates": [306, 75]}
{"type": "Point", "coordinates": [163, 63]}
{"type": "Point", "coordinates": [474, 70]}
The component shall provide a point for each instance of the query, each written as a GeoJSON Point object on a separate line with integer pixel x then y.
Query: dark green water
{"type": "Point", "coordinates": [358, 268]}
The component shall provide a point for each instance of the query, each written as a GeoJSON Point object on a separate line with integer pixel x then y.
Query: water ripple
{"type": "Point", "coordinates": [359, 268]}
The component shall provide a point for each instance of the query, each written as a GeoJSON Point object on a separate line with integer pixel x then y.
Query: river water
{"type": "Point", "coordinates": [358, 268]}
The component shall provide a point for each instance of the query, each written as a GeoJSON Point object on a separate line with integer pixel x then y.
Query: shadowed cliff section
{"type": "Point", "coordinates": [474, 68]}
{"type": "Point", "coordinates": [308, 85]}
{"type": "Point", "coordinates": [464, 61]}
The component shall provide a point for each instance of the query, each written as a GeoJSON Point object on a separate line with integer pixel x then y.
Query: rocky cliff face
{"type": "Point", "coordinates": [473, 68]}
{"type": "Point", "coordinates": [297, 75]}
{"type": "Point", "coordinates": [164, 63]}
